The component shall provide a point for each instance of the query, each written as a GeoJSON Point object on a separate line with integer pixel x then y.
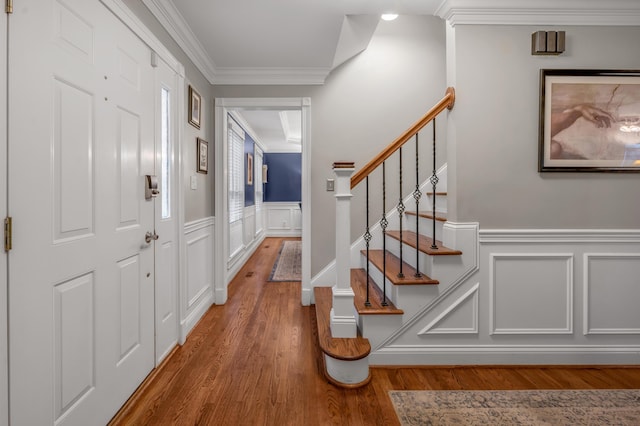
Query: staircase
{"type": "Point", "coordinates": [396, 278]}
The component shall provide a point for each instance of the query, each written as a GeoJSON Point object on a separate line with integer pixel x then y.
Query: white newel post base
{"type": "Point", "coordinates": [343, 318]}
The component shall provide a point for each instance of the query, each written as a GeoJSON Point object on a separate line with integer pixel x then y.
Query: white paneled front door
{"type": "Point", "coordinates": [81, 276]}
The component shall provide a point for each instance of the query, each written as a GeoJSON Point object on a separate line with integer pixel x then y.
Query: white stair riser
{"type": "Point", "coordinates": [425, 226]}
{"type": "Point", "coordinates": [425, 262]}
{"type": "Point", "coordinates": [409, 298]}
{"type": "Point", "coordinates": [441, 203]}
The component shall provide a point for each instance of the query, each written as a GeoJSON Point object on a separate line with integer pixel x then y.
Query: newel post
{"type": "Point", "coordinates": [343, 319]}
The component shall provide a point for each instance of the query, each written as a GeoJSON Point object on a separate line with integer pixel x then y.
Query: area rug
{"type": "Point", "coordinates": [530, 407]}
{"type": "Point", "coordinates": [288, 266]}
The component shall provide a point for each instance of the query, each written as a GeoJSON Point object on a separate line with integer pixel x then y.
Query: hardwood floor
{"type": "Point", "coordinates": [255, 361]}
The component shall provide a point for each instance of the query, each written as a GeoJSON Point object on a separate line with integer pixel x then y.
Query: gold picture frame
{"type": "Point", "coordinates": [249, 169]}
{"type": "Point", "coordinates": [195, 108]}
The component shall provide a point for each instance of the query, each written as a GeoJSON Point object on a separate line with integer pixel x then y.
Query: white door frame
{"type": "Point", "coordinates": [223, 107]}
{"type": "Point", "coordinates": [4, 347]}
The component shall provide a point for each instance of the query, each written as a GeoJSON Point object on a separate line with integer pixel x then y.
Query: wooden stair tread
{"type": "Point", "coordinates": [393, 268]}
{"type": "Point", "coordinates": [410, 238]}
{"type": "Point", "coordinates": [440, 216]}
{"type": "Point", "coordinates": [346, 349]}
{"type": "Point", "coordinates": [359, 286]}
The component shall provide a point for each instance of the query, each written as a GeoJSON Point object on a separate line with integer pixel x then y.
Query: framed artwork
{"type": "Point", "coordinates": [589, 121]}
{"type": "Point", "coordinates": [249, 168]}
{"type": "Point", "coordinates": [195, 107]}
{"type": "Point", "coordinates": [203, 156]}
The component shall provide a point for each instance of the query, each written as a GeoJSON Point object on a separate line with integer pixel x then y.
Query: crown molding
{"type": "Point", "coordinates": [540, 12]}
{"type": "Point", "coordinates": [170, 18]}
{"type": "Point", "coordinates": [272, 76]}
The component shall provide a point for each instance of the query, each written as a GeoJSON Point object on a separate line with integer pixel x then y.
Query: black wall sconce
{"type": "Point", "coordinates": [547, 42]}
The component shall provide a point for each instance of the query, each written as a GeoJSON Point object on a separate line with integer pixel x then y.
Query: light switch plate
{"type": "Point", "coordinates": [331, 185]}
{"type": "Point", "coordinates": [194, 182]}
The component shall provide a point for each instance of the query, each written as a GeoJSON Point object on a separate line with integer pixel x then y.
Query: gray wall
{"type": "Point", "coordinates": [198, 203]}
{"type": "Point", "coordinates": [363, 106]}
{"type": "Point", "coordinates": [494, 138]}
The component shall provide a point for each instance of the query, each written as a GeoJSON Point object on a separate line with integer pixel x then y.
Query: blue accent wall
{"type": "Point", "coordinates": [249, 190]}
{"type": "Point", "coordinates": [284, 175]}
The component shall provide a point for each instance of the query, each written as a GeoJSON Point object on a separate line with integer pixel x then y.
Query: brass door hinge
{"type": "Point", "coordinates": [8, 229]}
{"type": "Point", "coordinates": [8, 6]}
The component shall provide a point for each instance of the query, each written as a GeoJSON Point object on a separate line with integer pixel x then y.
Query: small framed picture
{"type": "Point", "coordinates": [195, 107]}
{"type": "Point", "coordinates": [249, 169]}
{"type": "Point", "coordinates": [589, 121]}
{"type": "Point", "coordinates": [203, 156]}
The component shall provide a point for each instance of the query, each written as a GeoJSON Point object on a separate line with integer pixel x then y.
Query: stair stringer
{"type": "Point", "coordinates": [459, 280]}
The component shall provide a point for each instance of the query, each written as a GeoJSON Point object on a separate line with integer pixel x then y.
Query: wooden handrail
{"type": "Point", "coordinates": [446, 102]}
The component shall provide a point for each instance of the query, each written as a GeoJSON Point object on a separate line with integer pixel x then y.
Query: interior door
{"type": "Point", "coordinates": [80, 135]}
{"type": "Point", "coordinates": [166, 212]}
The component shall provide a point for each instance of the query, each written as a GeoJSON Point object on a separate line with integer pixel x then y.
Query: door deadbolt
{"type": "Point", "coordinates": [148, 237]}
{"type": "Point", "coordinates": [151, 187]}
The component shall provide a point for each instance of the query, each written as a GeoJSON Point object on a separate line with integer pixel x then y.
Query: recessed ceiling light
{"type": "Point", "coordinates": [389, 16]}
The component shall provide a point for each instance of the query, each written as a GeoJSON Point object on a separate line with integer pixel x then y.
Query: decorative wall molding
{"type": "Point", "coordinates": [197, 288]}
{"type": "Point", "coordinates": [173, 21]}
{"type": "Point", "coordinates": [167, 14]}
{"type": "Point", "coordinates": [282, 219]}
{"type": "Point", "coordinates": [528, 293]}
{"type": "Point", "coordinates": [506, 354]}
{"type": "Point", "coordinates": [544, 297]}
{"type": "Point", "coordinates": [272, 76]}
{"type": "Point", "coordinates": [611, 293]}
{"type": "Point", "coordinates": [555, 236]}
{"type": "Point", "coordinates": [470, 297]}
{"type": "Point", "coordinates": [540, 12]}
{"type": "Point", "coordinates": [198, 224]}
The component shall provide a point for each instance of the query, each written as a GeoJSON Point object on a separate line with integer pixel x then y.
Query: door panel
{"type": "Point", "coordinates": [166, 212]}
{"type": "Point", "coordinates": [80, 274]}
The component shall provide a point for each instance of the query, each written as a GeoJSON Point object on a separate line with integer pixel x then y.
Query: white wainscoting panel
{"type": "Point", "coordinates": [543, 297]}
{"type": "Point", "coordinates": [249, 224]}
{"type": "Point", "coordinates": [461, 317]}
{"type": "Point", "coordinates": [531, 293]}
{"type": "Point", "coordinates": [196, 293]}
{"type": "Point", "coordinates": [283, 219]}
{"type": "Point", "coordinates": [611, 293]}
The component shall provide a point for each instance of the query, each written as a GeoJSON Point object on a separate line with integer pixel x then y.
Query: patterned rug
{"type": "Point", "coordinates": [288, 266]}
{"type": "Point", "coordinates": [530, 407]}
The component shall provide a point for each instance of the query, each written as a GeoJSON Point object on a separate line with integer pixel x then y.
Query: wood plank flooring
{"type": "Point", "coordinates": [255, 361]}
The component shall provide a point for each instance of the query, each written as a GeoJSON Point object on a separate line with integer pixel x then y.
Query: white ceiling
{"type": "Point", "coordinates": [276, 131]}
{"type": "Point", "coordinates": [301, 41]}
{"type": "Point", "coordinates": [280, 33]}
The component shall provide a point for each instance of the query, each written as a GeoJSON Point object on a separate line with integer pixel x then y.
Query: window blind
{"type": "Point", "coordinates": [235, 138]}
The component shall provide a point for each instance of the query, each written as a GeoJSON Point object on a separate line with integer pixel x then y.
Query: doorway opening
{"type": "Point", "coordinates": [276, 138]}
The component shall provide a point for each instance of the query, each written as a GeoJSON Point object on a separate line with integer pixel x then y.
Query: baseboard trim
{"type": "Point", "coordinates": [507, 355]}
{"type": "Point", "coordinates": [197, 312]}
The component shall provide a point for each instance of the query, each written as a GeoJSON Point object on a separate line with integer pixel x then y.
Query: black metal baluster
{"type": "Point", "coordinates": [401, 210]}
{"type": "Point", "coordinates": [367, 239]}
{"type": "Point", "coordinates": [383, 225]}
{"type": "Point", "coordinates": [434, 181]}
{"type": "Point", "coordinates": [416, 196]}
